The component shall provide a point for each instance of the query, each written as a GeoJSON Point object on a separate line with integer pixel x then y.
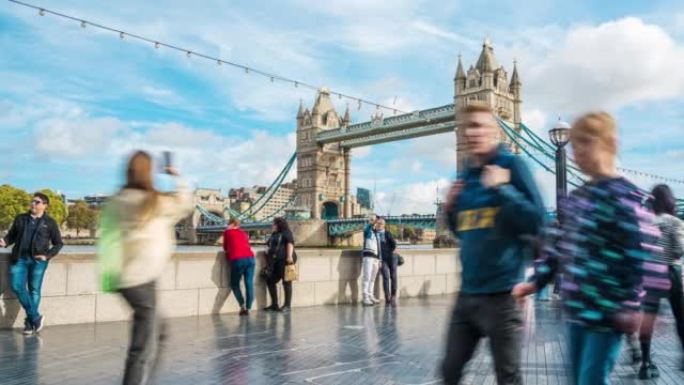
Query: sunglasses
{"type": "Point", "coordinates": [36, 202]}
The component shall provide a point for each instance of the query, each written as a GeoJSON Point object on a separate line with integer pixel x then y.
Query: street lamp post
{"type": "Point", "coordinates": [559, 136]}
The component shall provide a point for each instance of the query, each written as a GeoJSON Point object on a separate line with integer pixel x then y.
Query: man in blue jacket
{"type": "Point", "coordinates": [492, 208]}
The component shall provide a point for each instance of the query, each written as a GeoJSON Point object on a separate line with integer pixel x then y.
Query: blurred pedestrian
{"type": "Point", "coordinates": [664, 205]}
{"type": "Point", "coordinates": [146, 219]}
{"type": "Point", "coordinates": [492, 208]}
{"type": "Point", "coordinates": [600, 247]}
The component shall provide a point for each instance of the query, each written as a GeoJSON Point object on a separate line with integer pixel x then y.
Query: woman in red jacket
{"type": "Point", "coordinates": [242, 264]}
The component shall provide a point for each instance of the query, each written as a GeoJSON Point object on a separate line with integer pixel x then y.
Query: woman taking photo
{"type": "Point", "coordinates": [146, 220]}
{"type": "Point", "coordinates": [279, 254]}
{"type": "Point", "coordinates": [241, 258]}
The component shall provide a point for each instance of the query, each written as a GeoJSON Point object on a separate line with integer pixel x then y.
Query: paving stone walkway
{"type": "Point", "coordinates": [345, 345]}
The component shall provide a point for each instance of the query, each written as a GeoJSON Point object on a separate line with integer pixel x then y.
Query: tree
{"type": "Point", "coordinates": [81, 217]}
{"type": "Point", "coordinates": [410, 233]}
{"type": "Point", "coordinates": [57, 209]}
{"type": "Point", "coordinates": [13, 201]}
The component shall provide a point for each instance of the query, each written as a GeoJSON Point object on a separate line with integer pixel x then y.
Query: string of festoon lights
{"type": "Point", "coordinates": [272, 77]}
{"type": "Point", "coordinates": [190, 53]}
{"type": "Point", "coordinates": [649, 175]}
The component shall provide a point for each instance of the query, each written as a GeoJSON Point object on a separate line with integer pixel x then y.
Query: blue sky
{"type": "Point", "coordinates": [74, 102]}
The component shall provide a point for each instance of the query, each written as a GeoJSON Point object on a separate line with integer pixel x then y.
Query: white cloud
{"type": "Point", "coordinates": [611, 65]}
{"type": "Point", "coordinates": [438, 148]}
{"type": "Point", "coordinates": [416, 198]}
{"type": "Point", "coordinates": [431, 29]}
{"type": "Point", "coordinates": [76, 138]}
{"type": "Point", "coordinates": [535, 119]}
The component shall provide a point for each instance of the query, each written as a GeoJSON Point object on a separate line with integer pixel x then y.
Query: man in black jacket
{"type": "Point", "coordinates": [389, 262]}
{"type": "Point", "coordinates": [36, 239]}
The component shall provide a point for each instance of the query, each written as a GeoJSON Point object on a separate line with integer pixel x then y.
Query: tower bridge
{"type": "Point", "coordinates": [325, 141]}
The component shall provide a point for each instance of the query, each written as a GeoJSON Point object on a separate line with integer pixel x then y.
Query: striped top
{"type": "Point", "coordinates": [672, 238]}
{"type": "Point", "coordinates": [604, 251]}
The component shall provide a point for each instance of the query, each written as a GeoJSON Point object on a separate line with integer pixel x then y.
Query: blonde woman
{"type": "Point", "coordinates": [604, 248]}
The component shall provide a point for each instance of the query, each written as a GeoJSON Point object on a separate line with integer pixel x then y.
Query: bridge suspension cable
{"type": "Point", "coordinates": [572, 168]}
{"type": "Point", "coordinates": [268, 194]}
{"type": "Point", "coordinates": [273, 77]}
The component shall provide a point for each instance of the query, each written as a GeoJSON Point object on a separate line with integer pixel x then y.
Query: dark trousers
{"type": "Point", "coordinates": [389, 277]}
{"type": "Point", "coordinates": [277, 276]}
{"type": "Point", "coordinates": [26, 276]}
{"type": "Point", "coordinates": [243, 268]}
{"type": "Point", "coordinates": [676, 299]}
{"type": "Point", "coordinates": [143, 300]}
{"type": "Point", "coordinates": [496, 316]}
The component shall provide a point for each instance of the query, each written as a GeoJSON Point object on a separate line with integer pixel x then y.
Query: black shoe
{"type": "Point", "coordinates": [285, 309]}
{"type": "Point", "coordinates": [244, 312]}
{"type": "Point", "coordinates": [271, 308]}
{"type": "Point", "coordinates": [28, 328]}
{"type": "Point", "coordinates": [648, 371]}
{"type": "Point", "coordinates": [38, 325]}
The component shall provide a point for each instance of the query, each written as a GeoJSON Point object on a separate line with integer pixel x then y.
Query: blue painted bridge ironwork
{"type": "Point", "coordinates": [338, 227]}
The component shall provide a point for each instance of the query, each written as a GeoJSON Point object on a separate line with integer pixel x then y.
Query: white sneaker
{"type": "Point", "coordinates": [375, 300]}
{"type": "Point", "coordinates": [368, 302]}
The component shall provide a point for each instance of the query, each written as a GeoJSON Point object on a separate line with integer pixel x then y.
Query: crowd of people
{"type": "Point", "coordinates": [615, 253]}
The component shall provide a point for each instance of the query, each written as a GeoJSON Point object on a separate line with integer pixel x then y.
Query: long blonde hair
{"type": "Point", "coordinates": [139, 177]}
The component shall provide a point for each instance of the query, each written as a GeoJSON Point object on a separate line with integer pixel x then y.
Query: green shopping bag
{"type": "Point", "coordinates": [109, 250]}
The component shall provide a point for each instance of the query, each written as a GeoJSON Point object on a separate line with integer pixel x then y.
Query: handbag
{"type": "Point", "coordinates": [400, 259]}
{"type": "Point", "coordinates": [109, 250]}
{"type": "Point", "coordinates": [291, 273]}
{"type": "Point", "coordinates": [267, 271]}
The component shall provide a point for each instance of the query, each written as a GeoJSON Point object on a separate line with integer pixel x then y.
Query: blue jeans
{"type": "Point", "coordinates": [543, 294]}
{"type": "Point", "coordinates": [243, 268]}
{"type": "Point", "coordinates": [592, 354]}
{"type": "Point", "coordinates": [26, 276]}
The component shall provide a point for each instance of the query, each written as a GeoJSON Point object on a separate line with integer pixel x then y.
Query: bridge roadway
{"type": "Point", "coordinates": [328, 345]}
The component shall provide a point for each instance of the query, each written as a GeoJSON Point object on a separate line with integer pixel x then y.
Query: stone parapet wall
{"type": "Point", "coordinates": [198, 283]}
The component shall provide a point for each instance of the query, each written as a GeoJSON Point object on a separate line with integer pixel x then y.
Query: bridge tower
{"type": "Point", "coordinates": [487, 83]}
{"type": "Point", "coordinates": [323, 171]}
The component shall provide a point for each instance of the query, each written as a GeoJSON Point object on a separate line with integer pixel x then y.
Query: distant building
{"type": "Point", "coordinates": [92, 200]}
{"type": "Point", "coordinates": [242, 198]}
{"type": "Point", "coordinates": [364, 198]}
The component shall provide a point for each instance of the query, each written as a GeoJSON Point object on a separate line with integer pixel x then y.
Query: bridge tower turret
{"type": "Point", "coordinates": [487, 83]}
{"type": "Point", "coordinates": [322, 170]}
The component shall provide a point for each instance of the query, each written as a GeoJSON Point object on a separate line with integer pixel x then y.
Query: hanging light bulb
{"type": "Point", "coordinates": [83, 24]}
{"type": "Point", "coordinates": [218, 62]}
{"type": "Point", "coordinates": [296, 84]}
{"type": "Point", "coordinates": [156, 45]}
{"type": "Point", "coordinates": [272, 79]}
{"type": "Point", "coordinates": [246, 70]}
{"type": "Point", "coordinates": [41, 12]}
{"type": "Point", "coordinates": [359, 104]}
{"type": "Point", "coordinates": [188, 53]}
{"type": "Point", "coordinates": [121, 35]}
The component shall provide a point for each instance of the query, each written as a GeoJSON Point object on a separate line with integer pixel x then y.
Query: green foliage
{"type": "Point", "coordinates": [13, 201]}
{"type": "Point", "coordinates": [81, 217]}
{"type": "Point", "coordinates": [57, 208]}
